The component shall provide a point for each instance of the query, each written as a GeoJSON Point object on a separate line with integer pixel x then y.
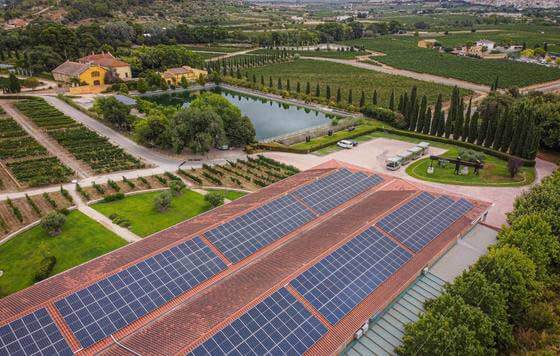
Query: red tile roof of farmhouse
{"type": "Point", "coordinates": [104, 59]}
{"type": "Point", "coordinates": [71, 68]}
{"type": "Point", "coordinates": [190, 319]}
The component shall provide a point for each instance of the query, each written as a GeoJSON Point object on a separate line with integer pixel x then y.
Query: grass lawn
{"type": "Point", "coordinates": [337, 136]}
{"type": "Point", "coordinates": [81, 240]}
{"type": "Point", "coordinates": [145, 219]}
{"type": "Point", "coordinates": [403, 52]}
{"type": "Point", "coordinates": [494, 173]}
{"type": "Point", "coordinates": [346, 77]}
{"type": "Point", "coordinates": [229, 194]}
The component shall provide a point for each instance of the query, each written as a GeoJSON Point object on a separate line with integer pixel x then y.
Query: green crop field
{"type": "Point", "coordinates": [81, 240]}
{"type": "Point", "coordinates": [323, 53]}
{"type": "Point", "coordinates": [347, 77]}
{"type": "Point", "coordinates": [403, 52]}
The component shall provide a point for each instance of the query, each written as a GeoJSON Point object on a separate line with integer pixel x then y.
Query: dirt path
{"type": "Point", "coordinates": [46, 141]}
{"type": "Point", "coordinates": [547, 87]}
{"type": "Point", "coordinates": [407, 73]}
{"type": "Point", "coordinates": [233, 54]}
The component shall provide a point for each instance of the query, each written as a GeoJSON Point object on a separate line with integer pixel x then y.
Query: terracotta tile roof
{"type": "Point", "coordinates": [104, 60]}
{"type": "Point", "coordinates": [188, 320]}
{"type": "Point", "coordinates": [71, 68]}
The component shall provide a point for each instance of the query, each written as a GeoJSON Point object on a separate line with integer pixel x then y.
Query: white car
{"type": "Point", "coordinates": [345, 144]}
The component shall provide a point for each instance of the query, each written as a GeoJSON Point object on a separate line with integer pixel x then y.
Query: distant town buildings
{"type": "Point", "coordinates": [520, 4]}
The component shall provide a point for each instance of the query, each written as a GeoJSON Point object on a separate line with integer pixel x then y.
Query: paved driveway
{"type": "Point", "coordinates": [372, 155]}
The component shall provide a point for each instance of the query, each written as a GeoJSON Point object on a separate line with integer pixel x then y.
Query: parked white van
{"type": "Point", "coordinates": [394, 163]}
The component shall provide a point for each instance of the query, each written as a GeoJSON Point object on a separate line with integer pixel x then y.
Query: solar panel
{"type": "Point", "coordinates": [34, 334]}
{"type": "Point", "coordinates": [99, 310]}
{"type": "Point", "coordinates": [246, 234]}
{"type": "Point", "coordinates": [335, 189]}
{"type": "Point", "coordinates": [279, 325]}
{"type": "Point", "coordinates": [342, 280]}
{"type": "Point", "coordinates": [415, 224]}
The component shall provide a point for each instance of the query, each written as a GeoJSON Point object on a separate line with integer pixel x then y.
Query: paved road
{"type": "Point", "coordinates": [52, 146]}
{"type": "Point", "coordinates": [407, 73]}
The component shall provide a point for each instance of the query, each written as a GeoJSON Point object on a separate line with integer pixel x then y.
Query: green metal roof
{"type": "Point", "coordinates": [387, 328]}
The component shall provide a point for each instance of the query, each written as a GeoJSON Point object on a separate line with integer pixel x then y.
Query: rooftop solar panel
{"type": "Point", "coordinates": [99, 310]}
{"type": "Point", "coordinates": [423, 219]}
{"type": "Point", "coordinates": [246, 234]}
{"type": "Point", "coordinates": [279, 325]}
{"type": "Point", "coordinates": [340, 281]}
{"type": "Point", "coordinates": [34, 334]}
{"type": "Point", "coordinates": [331, 191]}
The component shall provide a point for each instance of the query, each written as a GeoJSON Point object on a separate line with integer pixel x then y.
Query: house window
{"type": "Point", "coordinates": [95, 74]}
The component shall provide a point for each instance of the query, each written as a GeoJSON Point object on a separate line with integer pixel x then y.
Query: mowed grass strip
{"type": "Point", "coordinates": [347, 77]}
{"type": "Point", "coordinates": [229, 194]}
{"type": "Point", "coordinates": [145, 220]}
{"type": "Point", "coordinates": [81, 240]}
{"type": "Point", "coordinates": [403, 52]}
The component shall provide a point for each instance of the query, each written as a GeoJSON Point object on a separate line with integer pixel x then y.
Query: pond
{"type": "Point", "coordinates": [270, 118]}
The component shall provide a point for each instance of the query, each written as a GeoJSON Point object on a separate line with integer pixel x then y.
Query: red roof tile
{"type": "Point", "coordinates": [190, 319]}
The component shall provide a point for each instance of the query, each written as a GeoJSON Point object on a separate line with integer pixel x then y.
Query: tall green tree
{"type": "Point", "coordinates": [350, 96]}
{"type": "Point", "coordinates": [338, 96]}
{"type": "Point", "coordinates": [392, 100]}
{"type": "Point", "coordinates": [459, 121]}
{"type": "Point", "coordinates": [13, 84]}
{"type": "Point", "coordinates": [473, 129]}
{"type": "Point", "coordinates": [428, 121]}
{"type": "Point", "coordinates": [279, 84]}
{"type": "Point", "coordinates": [363, 99]}
{"type": "Point", "coordinates": [375, 100]}
{"type": "Point", "coordinates": [328, 92]}
{"type": "Point", "coordinates": [483, 130]}
{"type": "Point", "coordinates": [508, 131]}
{"type": "Point", "coordinates": [467, 125]}
{"type": "Point", "coordinates": [317, 90]}
{"type": "Point", "coordinates": [307, 89]}
{"type": "Point", "coordinates": [422, 114]}
{"type": "Point", "coordinates": [437, 109]}
{"type": "Point", "coordinates": [500, 127]}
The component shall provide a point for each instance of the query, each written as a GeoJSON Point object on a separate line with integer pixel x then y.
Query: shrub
{"type": "Point", "coordinates": [45, 268]}
{"type": "Point", "coordinates": [128, 182]}
{"type": "Point", "coordinates": [190, 176]}
{"type": "Point", "coordinates": [161, 180]}
{"type": "Point", "coordinates": [66, 195]}
{"type": "Point", "coordinates": [471, 155]}
{"type": "Point", "coordinates": [33, 205]}
{"type": "Point", "coordinates": [214, 198]}
{"type": "Point", "coordinates": [15, 210]}
{"type": "Point", "coordinates": [540, 317]}
{"type": "Point", "coordinates": [176, 187]}
{"type": "Point", "coordinates": [386, 115]}
{"type": "Point", "coordinates": [99, 188]}
{"type": "Point", "coordinates": [514, 165]}
{"type": "Point", "coordinates": [163, 201]}
{"type": "Point", "coordinates": [50, 200]}
{"type": "Point", "coordinates": [53, 222]}
{"type": "Point", "coordinates": [145, 182]}
{"type": "Point", "coordinates": [114, 185]}
{"type": "Point", "coordinates": [114, 197]}
{"type": "Point", "coordinates": [82, 192]}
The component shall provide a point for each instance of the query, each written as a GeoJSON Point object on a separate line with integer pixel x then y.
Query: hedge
{"type": "Point", "coordinates": [273, 146]}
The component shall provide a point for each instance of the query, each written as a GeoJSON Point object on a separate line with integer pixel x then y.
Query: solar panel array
{"type": "Point", "coordinates": [279, 325]}
{"type": "Point", "coordinates": [340, 281]}
{"type": "Point", "coordinates": [335, 189]}
{"type": "Point", "coordinates": [423, 219]}
{"type": "Point", "coordinates": [34, 334]}
{"type": "Point", "coordinates": [246, 234]}
{"type": "Point", "coordinates": [109, 305]}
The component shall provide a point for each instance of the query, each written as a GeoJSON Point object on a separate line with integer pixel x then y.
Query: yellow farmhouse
{"type": "Point", "coordinates": [118, 69]}
{"type": "Point", "coordinates": [173, 75]}
{"type": "Point", "coordinates": [80, 73]}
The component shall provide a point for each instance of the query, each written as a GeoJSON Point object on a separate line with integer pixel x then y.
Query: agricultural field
{"type": "Point", "coordinates": [81, 240]}
{"type": "Point", "coordinates": [27, 161]}
{"type": "Point", "coordinates": [347, 77]}
{"type": "Point", "coordinates": [321, 53]}
{"type": "Point", "coordinates": [95, 151]}
{"type": "Point", "coordinates": [100, 190]}
{"type": "Point", "coordinates": [214, 48]}
{"type": "Point", "coordinates": [403, 52]}
{"type": "Point", "coordinates": [250, 174]}
{"type": "Point", "coordinates": [17, 213]}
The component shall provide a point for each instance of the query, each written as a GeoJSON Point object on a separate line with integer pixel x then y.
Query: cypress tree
{"type": "Point", "coordinates": [362, 99]}
{"type": "Point", "coordinates": [392, 101]}
{"type": "Point", "coordinates": [279, 85]}
{"type": "Point", "coordinates": [406, 104]}
{"type": "Point", "coordinates": [435, 123]}
{"type": "Point", "coordinates": [500, 128]}
{"type": "Point", "coordinates": [427, 121]}
{"type": "Point", "coordinates": [288, 87]}
{"type": "Point", "coordinates": [413, 106]}
{"type": "Point", "coordinates": [490, 132]}
{"type": "Point", "coordinates": [414, 115]}
{"type": "Point", "coordinates": [401, 103]}
{"type": "Point", "coordinates": [467, 125]}
{"type": "Point", "coordinates": [350, 97]}
{"type": "Point", "coordinates": [317, 90]}
{"type": "Point", "coordinates": [482, 130]}
{"type": "Point", "coordinates": [508, 131]}
{"type": "Point", "coordinates": [270, 82]}
{"type": "Point", "coordinates": [459, 121]}
{"type": "Point", "coordinates": [254, 78]}
{"type": "Point", "coordinates": [328, 92]}
{"type": "Point", "coordinates": [517, 127]}
{"type": "Point", "coordinates": [308, 89]}
{"type": "Point", "coordinates": [441, 123]}
{"type": "Point", "coordinates": [262, 80]}
{"type": "Point", "coordinates": [473, 128]}
{"type": "Point", "coordinates": [422, 115]}
{"type": "Point", "coordinates": [338, 95]}
{"type": "Point", "coordinates": [374, 98]}
{"type": "Point", "coordinates": [298, 87]}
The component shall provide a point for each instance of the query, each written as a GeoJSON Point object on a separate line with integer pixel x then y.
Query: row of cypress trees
{"type": "Point", "coordinates": [507, 128]}
{"type": "Point", "coordinates": [230, 65]}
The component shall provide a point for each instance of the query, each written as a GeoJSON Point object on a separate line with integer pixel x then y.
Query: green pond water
{"type": "Point", "coordinates": [270, 118]}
